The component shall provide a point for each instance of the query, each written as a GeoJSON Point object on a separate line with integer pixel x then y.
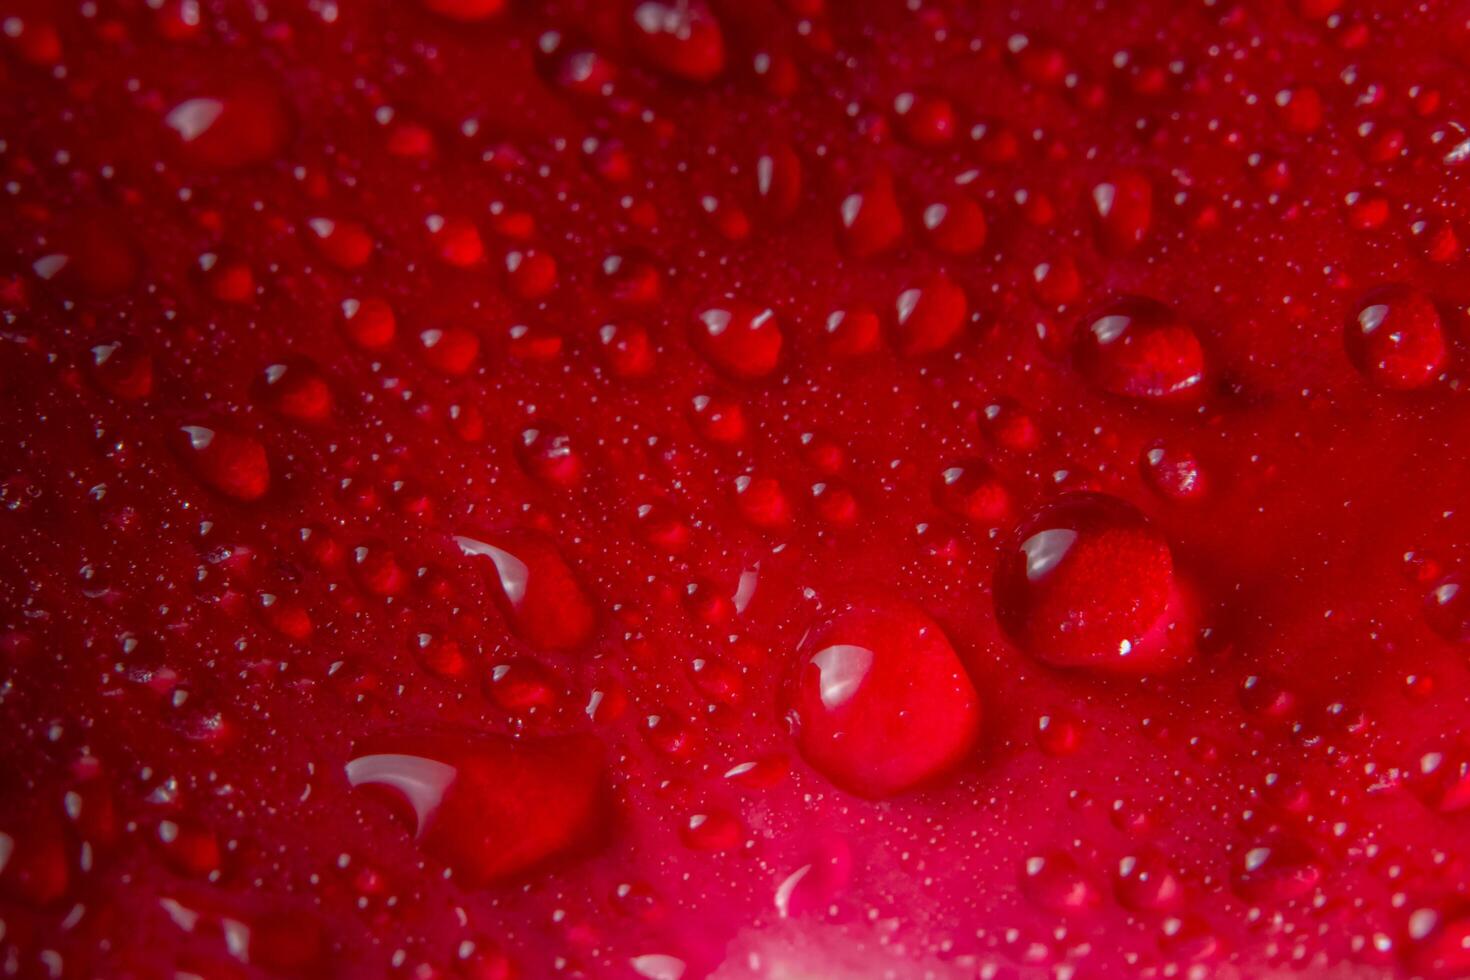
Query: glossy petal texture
{"type": "Point", "coordinates": [734, 489]}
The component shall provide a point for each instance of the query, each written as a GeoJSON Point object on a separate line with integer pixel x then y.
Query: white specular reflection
{"type": "Point", "coordinates": [745, 588]}
{"type": "Point", "coordinates": [512, 571]}
{"type": "Point", "coordinates": [193, 118]}
{"type": "Point", "coordinates": [841, 671]}
{"type": "Point", "coordinates": [787, 887]}
{"type": "Point", "coordinates": [1109, 328]}
{"type": "Point", "coordinates": [1372, 317]}
{"type": "Point", "coordinates": [1045, 550]}
{"type": "Point", "coordinates": [658, 966]}
{"type": "Point", "coordinates": [423, 782]}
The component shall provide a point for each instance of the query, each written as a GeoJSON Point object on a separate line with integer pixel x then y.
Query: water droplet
{"type": "Point", "coordinates": [853, 332]}
{"type": "Point", "coordinates": [1088, 582]}
{"type": "Point", "coordinates": [1278, 870]}
{"type": "Point", "coordinates": [95, 252]}
{"type": "Point", "coordinates": [547, 453]}
{"type": "Point", "coordinates": [449, 350]}
{"type": "Point", "coordinates": [1395, 339]}
{"type": "Point", "coordinates": [742, 340]}
{"type": "Point", "coordinates": [541, 596]}
{"type": "Point", "coordinates": [763, 502]}
{"type": "Point", "coordinates": [930, 316]}
{"type": "Point", "coordinates": [488, 807]}
{"type": "Point", "coordinates": [972, 490]}
{"type": "Point", "coordinates": [298, 392]}
{"type": "Point", "coordinates": [712, 830]}
{"type": "Point", "coordinates": [778, 176]}
{"type": "Point", "coordinates": [683, 38]}
{"type": "Point", "coordinates": [123, 370]}
{"type": "Point", "coordinates": [1055, 882]}
{"type": "Point", "coordinates": [1172, 471]}
{"type": "Point", "coordinates": [881, 701]}
{"type": "Point", "coordinates": [871, 222]}
{"type": "Point", "coordinates": [1146, 883]}
{"type": "Point", "coordinates": [230, 463]}
{"type": "Point", "coordinates": [627, 350]}
{"type": "Point", "coordinates": [955, 225]}
{"type": "Point", "coordinates": [244, 125]}
{"type": "Point", "coordinates": [34, 867]}
{"type": "Point", "coordinates": [1124, 210]}
{"type": "Point", "coordinates": [1138, 348]}
{"type": "Point", "coordinates": [345, 244]}
{"type": "Point", "coordinates": [926, 120]}
{"type": "Point", "coordinates": [369, 323]}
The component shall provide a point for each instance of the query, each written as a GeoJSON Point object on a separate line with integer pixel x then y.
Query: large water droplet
{"type": "Point", "coordinates": [881, 700]}
{"type": "Point", "coordinates": [1088, 582]}
{"type": "Point", "coordinates": [542, 598]}
{"type": "Point", "coordinates": [488, 807]}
